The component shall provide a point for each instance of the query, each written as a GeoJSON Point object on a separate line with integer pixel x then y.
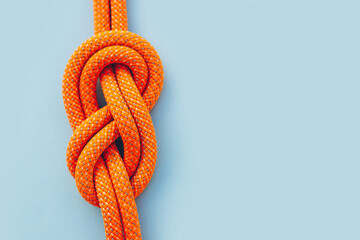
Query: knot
{"type": "Point", "coordinates": [131, 77]}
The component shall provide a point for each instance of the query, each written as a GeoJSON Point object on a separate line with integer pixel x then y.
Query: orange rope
{"type": "Point", "coordinates": [131, 77]}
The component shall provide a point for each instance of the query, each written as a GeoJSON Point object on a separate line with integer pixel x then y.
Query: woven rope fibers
{"type": "Point", "coordinates": [131, 77]}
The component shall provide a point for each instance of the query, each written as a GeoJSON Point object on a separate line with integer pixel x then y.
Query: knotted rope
{"type": "Point", "coordinates": [131, 77]}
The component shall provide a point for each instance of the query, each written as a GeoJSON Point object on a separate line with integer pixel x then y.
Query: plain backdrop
{"type": "Point", "coordinates": [258, 124]}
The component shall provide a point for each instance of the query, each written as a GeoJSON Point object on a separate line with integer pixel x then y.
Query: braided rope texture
{"type": "Point", "coordinates": [131, 76]}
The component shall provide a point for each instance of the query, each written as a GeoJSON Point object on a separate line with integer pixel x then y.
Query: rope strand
{"type": "Point", "coordinates": [110, 15]}
{"type": "Point", "coordinates": [131, 77]}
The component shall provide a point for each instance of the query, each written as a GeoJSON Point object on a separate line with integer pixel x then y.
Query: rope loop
{"type": "Point", "coordinates": [131, 76]}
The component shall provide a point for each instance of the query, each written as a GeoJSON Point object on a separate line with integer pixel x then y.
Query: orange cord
{"type": "Point", "coordinates": [131, 77]}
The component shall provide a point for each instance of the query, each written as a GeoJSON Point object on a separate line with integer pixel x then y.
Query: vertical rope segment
{"type": "Point", "coordinates": [131, 76]}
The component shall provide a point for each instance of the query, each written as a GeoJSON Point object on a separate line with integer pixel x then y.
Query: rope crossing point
{"type": "Point", "coordinates": [131, 76]}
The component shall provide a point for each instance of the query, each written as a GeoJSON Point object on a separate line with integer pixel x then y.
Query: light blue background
{"type": "Point", "coordinates": [258, 124]}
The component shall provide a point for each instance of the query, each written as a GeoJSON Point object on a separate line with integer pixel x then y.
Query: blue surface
{"type": "Point", "coordinates": [257, 126]}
